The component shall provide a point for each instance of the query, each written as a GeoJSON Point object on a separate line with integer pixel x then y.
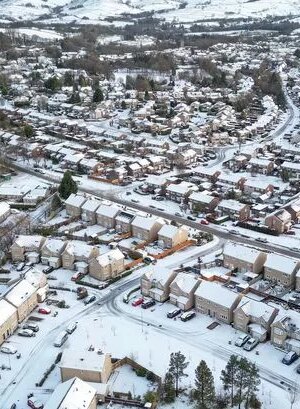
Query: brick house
{"type": "Point", "coordinates": [146, 228]}
{"type": "Point", "coordinates": [243, 258]}
{"type": "Point", "coordinates": [169, 235]}
{"type": "Point", "coordinates": [281, 269]}
{"type": "Point", "coordinates": [156, 284]}
{"type": "Point", "coordinates": [108, 265]}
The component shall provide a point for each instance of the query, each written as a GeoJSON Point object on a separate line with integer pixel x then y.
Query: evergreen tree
{"type": "Point", "coordinates": [75, 98]}
{"type": "Point", "coordinates": [28, 131]}
{"type": "Point", "coordinates": [228, 376]}
{"type": "Point", "coordinates": [252, 383]}
{"type": "Point", "coordinates": [176, 368]}
{"type": "Point", "coordinates": [168, 388]}
{"type": "Point", "coordinates": [68, 79]}
{"type": "Point", "coordinates": [98, 95]}
{"type": "Point", "coordinates": [67, 185]}
{"type": "Point", "coordinates": [205, 389]}
{"type": "Point", "coordinates": [53, 84]}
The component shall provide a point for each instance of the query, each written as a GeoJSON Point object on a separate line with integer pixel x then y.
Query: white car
{"type": "Point", "coordinates": [250, 344]}
{"type": "Point", "coordinates": [8, 349]}
{"type": "Point", "coordinates": [26, 333]}
{"type": "Point", "coordinates": [241, 340]}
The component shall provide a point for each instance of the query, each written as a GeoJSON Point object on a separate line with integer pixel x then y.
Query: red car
{"type": "Point", "coordinates": [137, 302]}
{"type": "Point", "coordinates": [203, 221]}
{"type": "Point", "coordinates": [44, 310]}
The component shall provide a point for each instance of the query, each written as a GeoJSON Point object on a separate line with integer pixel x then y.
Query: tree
{"type": "Point", "coordinates": [75, 98]}
{"type": "Point", "coordinates": [252, 382]}
{"type": "Point", "coordinates": [55, 203]}
{"type": "Point", "coordinates": [27, 131]}
{"type": "Point", "coordinates": [168, 389]}
{"type": "Point", "coordinates": [176, 368]}
{"type": "Point", "coordinates": [98, 95]}
{"type": "Point", "coordinates": [205, 389]}
{"type": "Point", "coordinates": [68, 79]}
{"type": "Point", "coordinates": [228, 376]}
{"type": "Point", "coordinates": [53, 84]}
{"type": "Point", "coordinates": [67, 185]}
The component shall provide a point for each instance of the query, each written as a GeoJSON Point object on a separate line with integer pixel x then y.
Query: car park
{"type": "Point", "coordinates": [289, 358]}
{"type": "Point", "coordinates": [26, 333]}
{"type": "Point", "coordinates": [250, 344]}
{"type": "Point", "coordinates": [186, 316]}
{"type": "Point", "coordinates": [173, 313]}
{"type": "Point", "coordinates": [148, 304]}
{"type": "Point", "coordinates": [90, 299]}
{"type": "Point", "coordinates": [241, 340]}
{"type": "Point", "coordinates": [44, 310]}
{"type": "Point", "coordinates": [137, 302]}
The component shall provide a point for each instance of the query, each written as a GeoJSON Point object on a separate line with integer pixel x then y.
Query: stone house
{"type": "Point", "coordinates": [8, 320]}
{"type": "Point", "coordinates": [285, 331]}
{"type": "Point", "coordinates": [169, 235]}
{"type": "Point", "coordinates": [281, 269]}
{"type": "Point", "coordinates": [254, 318]}
{"type": "Point", "coordinates": [88, 210]}
{"type": "Point", "coordinates": [23, 296]}
{"type": "Point", "coordinates": [123, 221]}
{"type": "Point", "coordinates": [156, 284]}
{"type": "Point", "coordinates": [77, 255]}
{"type": "Point", "coordinates": [74, 204]}
{"type": "Point", "coordinates": [203, 202]}
{"type": "Point", "coordinates": [108, 265]}
{"type": "Point", "coordinates": [51, 252]}
{"type": "Point", "coordinates": [243, 258]}
{"type": "Point", "coordinates": [146, 228]}
{"type": "Point", "coordinates": [106, 216]}
{"type": "Point", "coordinates": [216, 301]}
{"type": "Point", "coordinates": [23, 246]}
{"type": "Point", "coordinates": [182, 290]}
{"type": "Point", "coordinates": [280, 220]}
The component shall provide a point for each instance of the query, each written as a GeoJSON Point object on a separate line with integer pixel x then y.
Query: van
{"type": "Point", "coordinates": [71, 327]}
{"type": "Point", "coordinates": [8, 349]}
{"type": "Point", "coordinates": [186, 316]}
{"type": "Point", "coordinates": [289, 358]}
{"type": "Point", "coordinates": [61, 339]}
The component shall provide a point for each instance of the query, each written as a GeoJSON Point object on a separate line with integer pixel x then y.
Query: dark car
{"type": "Point", "coordinates": [148, 304]}
{"type": "Point", "coordinates": [191, 218]}
{"type": "Point", "coordinates": [289, 358]}
{"type": "Point", "coordinates": [89, 300]}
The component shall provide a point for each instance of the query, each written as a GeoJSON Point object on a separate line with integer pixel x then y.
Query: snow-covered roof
{"type": "Point", "coordinates": [217, 294]}
{"type": "Point", "coordinates": [108, 211]}
{"type": "Point", "coordinates": [91, 205]}
{"type": "Point", "coordinates": [21, 292]}
{"type": "Point", "coordinates": [256, 309]}
{"type": "Point", "coordinates": [109, 257]}
{"type": "Point", "coordinates": [181, 188]}
{"type": "Point", "coordinates": [79, 248]}
{"type": "Point", "coordinates": [243, 253]}
{"type": "Point", "coordinates": [201, 197]}
{"type": "Point", "coordinates": [29, 241]}
{"type": "Point", "coordinates": [72, 394]}
{"type": "Point", "coordinates": [75, 200]}
{"type": "Point", "coordinates": [6, 311]}
{"type": "Point", "coordinates": [145, 223]}
{"type": "Point", "coordinates": [4, 208]}
{"type": "Point", "coordinates": [168, 230]}
{"type": "Point", "coordinates": [54, 245]}
{"type": "Point", "coordinates": [281, 263]}
{"type": "Point", "coordinates": [231, 204]}
{"type": "Point", "coordinates": [159, 275]}
{"type": "Point", "coordinates": [186, 282]}
{"type": "Point", "coordinates": [82, 359]}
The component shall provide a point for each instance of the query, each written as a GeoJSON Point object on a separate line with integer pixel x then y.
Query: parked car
{"type": "Point", "coordinates": [48, 270]}
{"type": "Point", "coordinates": [289, 358]}
{"type": "Point", "coordinates": [137, 302]}
{"type": "Point", "coordinates": [191, 218]}
{"type": "Point", "coordinates": [60, 339]}
{"type": "Point", "coordinates": [261, 239]}
{"type": "Point", "coordinates": [186, 316]}
{"type": "Point", "coordinates": [20, 266]}
{"type": "Point", "coordinates": [203, 221]}
{"type": "Point", "coordinates": [178, 214]}
{"type": "Point", "coordinates": [71, 327]}
{"type": "Point", "coordinates": [35, 403]}
{"type": "Point", "coordinates": [31, 325]}
{"type": "Point", "coordinates": [241, 340]}
{"type": "Point", "coordinates": [173, 313]}
{"type": "Point", "coordinates": [77, 276]}
{"type": "Point", "coordinates": [8, 349]}
{"type": "Point", "coordinates": [44, 310]}
{"type": "Point", "coordinates": [90, 299]}
{"type": "Point", "coordinates": [250, 344]}
{"type": "Point", "coordinates": [26, 333]}
{"type": "Point", "coordinates": [148, 304]}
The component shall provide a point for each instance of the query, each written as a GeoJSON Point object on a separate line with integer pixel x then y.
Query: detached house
{"type": "Point", "coordinates": [216, 301]}
{"type": "Point", "coordinates": [74, 204]}
{"type": "Point", "coordinates": [77, 255]}
{"type": "Point", "coordinates": [169, 235]}
{"type": "Point", "coordinates": [146, 228]}
{"type": "Point", "coordinates": [281, 269]}
{"type": "Point", "coordinates": [108, 265]}
{"type": "Point", "coordinates": [254, 318]}
{"type": "Point", "coordinates": [182, 290]}
{"type": "Point", "coordinates": [51, 252]}
{"type": "Point", "coordinates": [244, 259]}
{"type": "Point", "coordinates": [157, 284]}
{"type": "Point", "coordinates": [263, 166]}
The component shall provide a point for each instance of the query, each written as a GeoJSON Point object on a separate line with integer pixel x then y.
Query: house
{"type": "Point", "coordinates": [108, 265]}
{"type": "Point", "coordinates": [146, 228]}
{"type": "Point", "coordinates": [156, 284]}
{"type": "Point", "coordinates": [73, 393]}
{"type": "Point", "coordinates": [216, 301]}
{"type": "Point", "coordinates": [258, 187]}
{"type": "Point", "coordinates": [106, 216]}
{"type": "Point", "coordinates": [294, 210]}
{"type": "Point", "coordinates": [285, 331]}
{"type": "Point", "coordinates": [230, 181]}
{"type": "Point", "coordinates": [27, 247]}
{"type": "Point", "coordinates": [170, 236]}
{"type": "Point", "coordinates": [292, 169]}
{"type": "Point", "coordinates": [23, 296]}
{"type": "Point", "coordinates": [281, 269]}
{"type": "Point", "coordinates": [243, 258]}
{"type": "Point", "coordinates": [88, 210]}
{"type": "Point", "coordinates": [51, 252]}
{"type": "Point", "coordinates": [261, 165]}
{"type": "Point", "coordinates": [280, 221]}
{"type": "Point", "coordinates": [182, 290]}
{"type": "Point", "coordinates": [185, 158]}
{"type": "Point", "coordinates": [74, 204]}
{"type": "Point", "coordinates": [234, 210]}
{"type": "Point", "coordinates": [254, 318]}
{"type": "Point", "coordinates": [203, 202]}
{"type": "Point", "coordinates": [123, 221]}
{"type": "Point", "coordinates": [8, 320]}
{"type": "Point", "coordinates": [77, 255]}
{"type": "Point", "coordinates": [86, 364]}
{"type": "Point", "coordinates": [209, 174]}
{"type": "Point", "coordinates": [180, 192]}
